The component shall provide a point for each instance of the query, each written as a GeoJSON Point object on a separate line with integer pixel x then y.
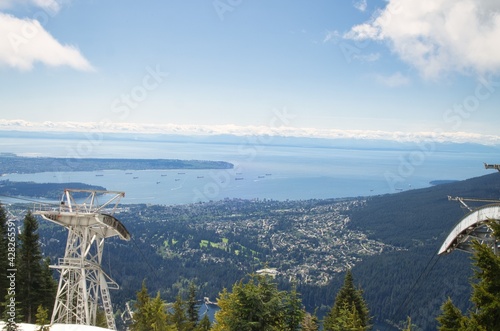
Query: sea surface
{"type": "Point", "coordinates": [263, 170]}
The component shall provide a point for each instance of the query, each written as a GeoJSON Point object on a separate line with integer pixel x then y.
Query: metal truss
{"type": "Point", "coordinates": [474, 226]}
{"type": "Point", "coordinates": [83, 285]}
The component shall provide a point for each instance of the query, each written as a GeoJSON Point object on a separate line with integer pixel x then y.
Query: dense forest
{"type": "Point", "coordinates": [218, 243]}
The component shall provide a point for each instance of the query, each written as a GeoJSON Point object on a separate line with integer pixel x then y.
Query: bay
{"type": "Point", "coordinates": [262, 170]}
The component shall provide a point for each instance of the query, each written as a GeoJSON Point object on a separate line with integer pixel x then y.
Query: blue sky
{"type": "Point", "coordinates": [359, 66]}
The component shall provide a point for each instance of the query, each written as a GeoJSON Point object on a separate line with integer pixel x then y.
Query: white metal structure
{"type": "Point", "coordinates": [473, 226]}
{"type": "Point", "coordinates": [82, 281]}
{"type": "Point", "coordinates": [492, 166]}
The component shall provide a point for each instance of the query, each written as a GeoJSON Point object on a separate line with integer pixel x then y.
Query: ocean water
{"type": "Point", "coordinates": [262, 170]}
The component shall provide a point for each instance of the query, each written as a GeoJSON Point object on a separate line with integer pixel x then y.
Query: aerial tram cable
{"type": "Point", "coordinates": [418, 282]}
{"type": "Point", "coordinates": [145, 259]}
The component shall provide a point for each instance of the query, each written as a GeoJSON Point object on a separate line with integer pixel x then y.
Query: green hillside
{"type": "Point", "coordinates": [418, 220]}
{"type": "Point", "coordinates": [391, 241]}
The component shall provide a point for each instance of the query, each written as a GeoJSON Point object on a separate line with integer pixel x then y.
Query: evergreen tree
{"type": "Point", "coordinates": [204, 324]}
{"type": "Point", "coordinates": [179, 317]}
{"type": "Point", "coordinates": [150, 314]}
{"type": "Point", "coordinates": [156, 310]}
{"type": "Point", "coordinates": [486, 292]}
{"type": "Point", "coordinates": [140, 316]}
{"type": "Point", "coordinates": [42, 318]}
{"type": "Point", "coordinates": [49, 287]}
{"type": "Point", "coordinates": [192, 306]}
{"type": "Point", "coordinates": [349, 308]}
{"type": "Point", "coordinates": [30, 274]}
{"type": "Point", "coordinates": [347, 319]}
{"type": "Point", "coordinates": [451, 317]}
{"type": "Point", "coordinates": [100, 318]}
{"type": "Point", "coordinates": [310, 322]}
{"type": "Point", "coordinates": [253, 306]}
{"type": "Point", "coordinates": [4, 255]}
{"type": "Point", "coordinates": [294, 313]}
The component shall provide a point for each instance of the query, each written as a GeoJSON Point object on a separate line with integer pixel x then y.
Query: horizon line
{"type": "Point", "coordinates": [248, 130]}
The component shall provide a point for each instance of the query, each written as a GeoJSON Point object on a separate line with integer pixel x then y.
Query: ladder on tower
{"type": "Point", "coordinates": [106, 302]}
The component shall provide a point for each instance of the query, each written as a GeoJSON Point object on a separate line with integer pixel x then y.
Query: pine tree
{"type": "Point", "coordinates": [294, 313]}
{"type": "Point", "coordinates": [192, 306]}
{"type": "Point", "coordinates": [156, 309]}
{"type": "Point", "coordinates": [100, 318]}
{"type": "Point", "coordinates": [42, 318]}
{"type": "Point", "coordinates": [310, 322]}
{"type": "Point", "coordinates": [30, 274]}
{"type": "Point", "coordinates": [4, 264]}
{"type": "Point", "coordinates": [451, 317]}
{"type": "Point", "coordinates": [150, 314]}
{"type": "Point", "coordinates": [204, 324]}
{"type": "Point", "coordinates": [49, 287]}
{"type": "Point", "coordinates": [179, 317]}
{"type": "Point", "coordinates": [140, 317]}
{"type": "Point", "coordinates": [253, 306]}
{"type": "Point", "coordinates": [486, 292]}
{"type": "Point", "coordinates": [349, 304]}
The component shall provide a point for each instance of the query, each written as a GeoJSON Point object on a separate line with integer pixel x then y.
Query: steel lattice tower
{"type": "Point", "coordinates": [83, 285]}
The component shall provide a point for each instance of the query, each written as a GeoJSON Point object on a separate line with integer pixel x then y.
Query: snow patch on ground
{"type": "Point", "coordinates": [56, 327]}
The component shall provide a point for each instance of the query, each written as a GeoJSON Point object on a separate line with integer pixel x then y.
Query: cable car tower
{"type": "Point", "coordinates": [474, 225]}
{"type": "Point", "coordinates": [82, 281]}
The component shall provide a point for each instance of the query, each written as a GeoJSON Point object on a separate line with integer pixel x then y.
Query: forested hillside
{"type": "Point", "coordinates": [52, 191]}
{"type": "Point", "coordinates": [390, 242]}
{"type": "Point", "coordinates": [418, 220]}
{"type": "Point", "coordinates": [11, 163]}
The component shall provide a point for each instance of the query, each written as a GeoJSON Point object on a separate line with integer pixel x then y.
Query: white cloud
{"type": "Point", "coordinates": [360, 5]}
{"type": "Point", "coordinates": [238, 130]}
{"type": "Point", "coordinates": [439, 36]}
{"type": "Point", "coordinates": [395, 80]}
{"type": "Point", "coordinates": [23, 42]}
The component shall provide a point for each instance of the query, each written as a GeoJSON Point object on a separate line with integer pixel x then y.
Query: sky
{"type": "Point", "coordinates": [297, 67]}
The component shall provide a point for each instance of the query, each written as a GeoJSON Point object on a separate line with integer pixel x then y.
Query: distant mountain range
{"type": "Point", "coordinates": [356, 141]}
{"type": "Point", "coordinates": [21, 127]}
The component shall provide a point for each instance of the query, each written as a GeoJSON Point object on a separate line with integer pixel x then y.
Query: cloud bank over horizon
{"type": "Point", "coordinates": [237, 130]}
